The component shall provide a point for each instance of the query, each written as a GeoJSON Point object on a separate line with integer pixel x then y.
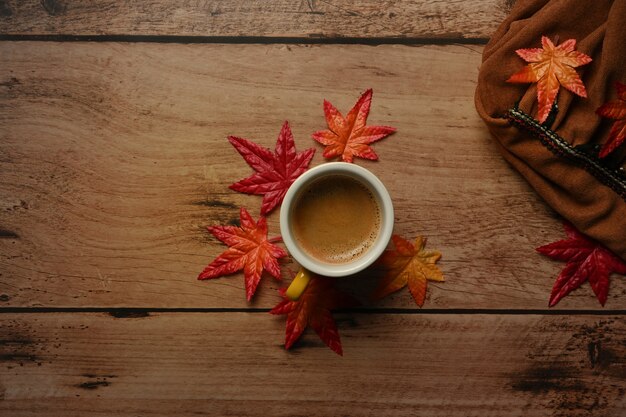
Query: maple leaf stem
{"type": "Point", "coordinates": [275, 239]}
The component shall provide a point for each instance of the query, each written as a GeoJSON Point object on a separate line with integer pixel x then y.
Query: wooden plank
{"type": "Point", "coordinates": [233, 364]}
{"type": "Point", "coordinates": [455, 19]}
{"type": "Point", "coordinates": [114, 159]}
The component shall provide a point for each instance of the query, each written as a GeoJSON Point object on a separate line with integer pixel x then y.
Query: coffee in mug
{"type": "Point", "coordinates": [336, 219]}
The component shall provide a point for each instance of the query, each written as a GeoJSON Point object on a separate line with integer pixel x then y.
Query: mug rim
{"type": "Point", "coordinates": [362, 175]}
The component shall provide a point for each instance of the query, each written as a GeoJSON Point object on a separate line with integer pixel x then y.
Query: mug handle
{"type": "Point", "coordinates": [299, 284]}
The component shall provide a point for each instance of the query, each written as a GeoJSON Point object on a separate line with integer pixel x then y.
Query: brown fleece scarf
{"type": "Point", "coordinates": [560, 158]}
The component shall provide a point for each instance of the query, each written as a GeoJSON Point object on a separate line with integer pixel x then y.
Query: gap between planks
{"type": "Point", "coordinates": [131, 312]}
{"type": "Point", "coordinates": [266, 40]}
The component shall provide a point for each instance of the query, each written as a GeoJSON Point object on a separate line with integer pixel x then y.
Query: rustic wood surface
{"type": "Point", "coordinates": [113, 159]}
{"type": "Point", "coordinates": [394, 364]}
{"type": "Point", "coordinates": [315, 19]}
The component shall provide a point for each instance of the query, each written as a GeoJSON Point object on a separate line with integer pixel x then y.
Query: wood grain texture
{"type": "Point", "coordinates": [234, 364]}
{"type": "Point", "coordinates": [114, 159]}
{"type": "Point", "coordinates": [455, 19]}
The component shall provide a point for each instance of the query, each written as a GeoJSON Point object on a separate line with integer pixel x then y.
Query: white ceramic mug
{"type": "Point", "coordinates": [311, 264]}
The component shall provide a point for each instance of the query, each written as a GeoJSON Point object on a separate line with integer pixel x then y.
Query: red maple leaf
{"type": "Point", "coordinates": [313, 308]}
{"type": "Point", "coordinates": [550, 67]}
{"type": "Point", "coordinates": [615, 109]}
{"type": "Point", "coordinates": [275, 172]}
{"type": "Point", "coordinates": [249, 250]}
{"type": "Point", "coordinates": [349, 136]}
{"type": "Point", "coordinates": [587, 260]}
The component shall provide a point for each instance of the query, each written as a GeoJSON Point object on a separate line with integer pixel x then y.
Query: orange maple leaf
{"type": "Point", "coordinates": [615, 109]}
{"type": "Point", "coordinates": [349, 137]}
{"type": "Point", "coordinates": [249, 250]}
{"type": "Point", "coordinates": [408, 265]}
{"type": "Point", "coordinates": [550, 67]}
{"type": "Point", "coordinates": [313, 308]}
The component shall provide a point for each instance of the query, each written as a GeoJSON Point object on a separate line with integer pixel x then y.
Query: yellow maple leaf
{"type": "Point", "coordinates": [409, 265]}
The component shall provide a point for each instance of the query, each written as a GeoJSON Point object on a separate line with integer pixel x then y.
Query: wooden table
{"type": "Point", "coordinates": [113, 159]}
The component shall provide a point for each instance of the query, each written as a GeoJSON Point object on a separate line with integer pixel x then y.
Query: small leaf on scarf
{"type": "Point", "coordinates": [349, 137]}
{"type": "Point", "coordinates": [313, 308]}
{"type": "Point", "coordinates": [615, 109]}
{"type": "Point", "coordinates": [249, 249]}
{"type": "Point", "coordinates": [587, 260]}
{"type": "Point", "coordinates": [275, 172]}
{"type": "Point", "coordinates": [408, 265]}
{"type": "Point", "coordinates": [550, 67]}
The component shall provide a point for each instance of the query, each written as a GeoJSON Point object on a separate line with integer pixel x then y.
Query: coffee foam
{"type": "Point", "coordinates": [344, 252]}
